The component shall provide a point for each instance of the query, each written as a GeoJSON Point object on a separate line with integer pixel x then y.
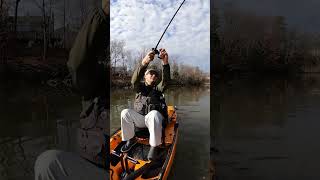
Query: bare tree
{"type": "Point", "coordinates": [50, 21]}
{"type": "Point", "coordinates": [117, 51]}
{"type": "Point", "coordinates": [64, 23]}
{"type": "Point", "coordinates": [3, 14]}
{"type": "Point", "coordinates": [45, 25]}
{"type": "Point", "coordinates": [44, 32]}
{"type": "Point", "coordinates": [175, 70]}
{"type": "Point", "coordinates": [1, 6]}
{"type": "Point", "coordinates": [3, 35]}
{"type": "Point", "coordinates": [129, 60]}
{"type": "Point", "coordinates": [16, 15]}
{"type": "Point", "coordinates": [83, 10]}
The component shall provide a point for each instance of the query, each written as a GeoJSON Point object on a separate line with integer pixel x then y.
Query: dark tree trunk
{"type": "Point", "coordinates": [44, 32]}
{"type": "Point", "coordinates": [16, 15]}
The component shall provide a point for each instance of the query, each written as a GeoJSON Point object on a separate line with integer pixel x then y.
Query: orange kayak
{"type": "Point", "coordinates": [134, 164]}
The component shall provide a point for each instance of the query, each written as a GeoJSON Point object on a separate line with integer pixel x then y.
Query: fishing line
{"type": "Point", "coordinates": [155, 49]}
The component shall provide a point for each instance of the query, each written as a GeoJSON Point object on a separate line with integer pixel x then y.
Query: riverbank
{"type": "Point", "coordinates": [126, 83]}
{"type": "Point", "coordinates": [33, 68]}
{"type": "Point", "coordinates": [245, 70]}
{"type": "Point", "coordinates": [259, 75]}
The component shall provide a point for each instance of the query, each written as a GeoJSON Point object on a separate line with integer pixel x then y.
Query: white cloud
{"type": "Point", "coordinates": [141, 22]}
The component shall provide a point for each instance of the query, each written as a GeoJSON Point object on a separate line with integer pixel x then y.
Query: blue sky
{"type": "Point", "coordinates": [141, 22]}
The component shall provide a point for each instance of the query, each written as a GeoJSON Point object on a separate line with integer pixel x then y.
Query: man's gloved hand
{"type": "Point", "coordinates": [164, 56]}
{"type": "Point", "coordinates": [148, 58]}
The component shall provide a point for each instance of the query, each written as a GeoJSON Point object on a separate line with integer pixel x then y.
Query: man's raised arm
{"type": "Point", "coordinates": [165, 71]}
{"type": "Point", "coordinates": [141, 69]}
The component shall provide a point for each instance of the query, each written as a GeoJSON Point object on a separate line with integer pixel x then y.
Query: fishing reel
{"type": "Point", "coordinates": [156, 52]}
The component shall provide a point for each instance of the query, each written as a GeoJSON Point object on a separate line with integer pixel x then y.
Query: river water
{"type": "Point", "coordinates": [35, 117]}
{"type": "Point", "coordinates": [267, 128]}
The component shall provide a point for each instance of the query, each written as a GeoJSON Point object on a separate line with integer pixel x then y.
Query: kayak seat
{"type": "Point", "coordinates": [142, 132]}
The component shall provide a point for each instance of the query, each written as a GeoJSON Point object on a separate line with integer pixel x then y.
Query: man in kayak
{"type": "Point", "coordinates": [90, 74]}
{"type": "Point", "coordinates": [150, 109]}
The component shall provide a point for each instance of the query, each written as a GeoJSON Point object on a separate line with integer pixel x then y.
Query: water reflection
{"type": "Point", "coordinates": [266, 128]}
{"type": "Point", "coordinates": [33, 118]}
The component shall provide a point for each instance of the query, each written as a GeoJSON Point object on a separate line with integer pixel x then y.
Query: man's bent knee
{"type": "Point", "coordinates": [125, 112]}
{"type": "Point", "coordinates": [45, 163]}
{"type": "Point", "coordinates": [154, 116]}
{"type": "Point", "coordinates": [46, 158]}
{"type": "Point", "coordinates": [154, 113]}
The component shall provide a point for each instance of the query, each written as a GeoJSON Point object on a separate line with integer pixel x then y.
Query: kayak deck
{"type": "Point", "coordinates": [137, 156]}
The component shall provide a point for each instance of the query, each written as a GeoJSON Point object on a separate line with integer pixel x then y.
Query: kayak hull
{"type": "Point", "coordinates": [135, 160]}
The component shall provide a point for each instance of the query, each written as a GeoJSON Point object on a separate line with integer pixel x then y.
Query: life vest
{"type": "Point", "coordinates": [93, 131]}
{"type": "Point", "coordinates": [148, 101]}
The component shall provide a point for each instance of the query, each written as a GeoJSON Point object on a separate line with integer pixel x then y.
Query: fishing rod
{"type": "Point", "coordinates": [155, 49]}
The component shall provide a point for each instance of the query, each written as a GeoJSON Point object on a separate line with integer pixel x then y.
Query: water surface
{"type": "Point", "coordinates": [267, 128]}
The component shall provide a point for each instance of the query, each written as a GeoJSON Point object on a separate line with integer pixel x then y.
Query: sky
{"type": "Point", "coordinates": [140, 24]}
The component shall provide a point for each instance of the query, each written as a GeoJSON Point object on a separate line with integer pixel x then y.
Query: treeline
{"type": "Point", "coordinates": [183, 74]}
{"type": "Point", "coordinates": [245, 42]}
{"type": "Point", "coordinates": [124, 62]}
{"type": "Point", "coordinates": [37, 34]}
{"type": "Point", "coordinates": [33, 46]}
